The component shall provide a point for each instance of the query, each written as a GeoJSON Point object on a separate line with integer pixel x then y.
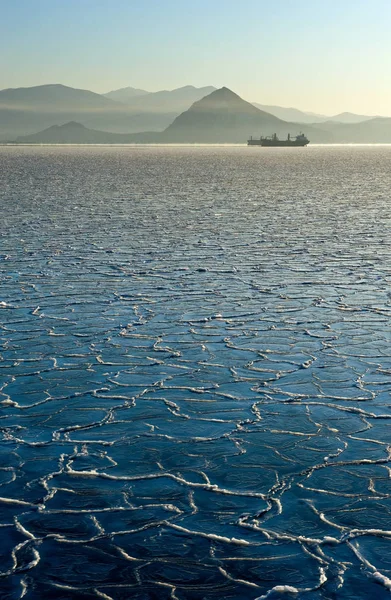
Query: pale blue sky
{"type": "Point", "coordinates": [320, 55]}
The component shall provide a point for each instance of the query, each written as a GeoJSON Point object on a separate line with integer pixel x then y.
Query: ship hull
{"type": "Point", "coordinates": [273, 143]}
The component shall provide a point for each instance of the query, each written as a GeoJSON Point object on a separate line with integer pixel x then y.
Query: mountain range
{"type": "Point", "coordinates": [184, 115]}
{"type": "Point", "coordinates": [299, 116]}
{"type": "Point", "coordinates": [220, 117]}
{"type": "Point", "coordinates": [25, 111]}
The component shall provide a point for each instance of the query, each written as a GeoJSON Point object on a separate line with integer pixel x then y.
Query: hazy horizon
{"type": "Point", "coordinates": [322, 57]}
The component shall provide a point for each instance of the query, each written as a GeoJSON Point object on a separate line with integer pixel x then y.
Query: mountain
{"type": "Point", "coordinates": [224, 117]}
{"type": "Point", "coordinates": [76, 133]}
{"type": "Point", "coordinates": [292, 114]}
{"type": "Point", "coordinates": [53, 98]}
{"type": "Point", "coordinates": [126, 94]}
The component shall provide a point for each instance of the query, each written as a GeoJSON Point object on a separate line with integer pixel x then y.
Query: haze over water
{"type": "Point", "coordinates": [195, 361]}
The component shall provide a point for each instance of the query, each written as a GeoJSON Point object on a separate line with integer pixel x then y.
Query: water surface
{"type": "Point", "coordinates": [195, 368]}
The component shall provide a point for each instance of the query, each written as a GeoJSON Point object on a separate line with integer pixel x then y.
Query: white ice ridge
{"type": "Point", "coordinates": [288, 589]}
{"type": "Point", "coordinates": [212, 536]}
{"type": "Point", "coordinates": [370, 568]}
{"type": "Point", "coordinates": [207, 487]}
{"type": "Point", "coordinates": [279, 589]}
{"type": "Point", "coordinates": [241, 581]}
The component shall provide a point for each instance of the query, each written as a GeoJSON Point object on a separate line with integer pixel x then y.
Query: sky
{"type": "Point", "coordinates": [326, 56]}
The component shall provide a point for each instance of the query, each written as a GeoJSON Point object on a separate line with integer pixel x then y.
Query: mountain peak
{"type": "Point", "coordinates": [224, 91]}
{"type": "Point", "coordinates": [223, 99]}
{"type": "Point", "coordinates": [73, 125]}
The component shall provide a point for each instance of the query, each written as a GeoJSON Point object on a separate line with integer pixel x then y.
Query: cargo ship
{"type": "Point", "coordinates": [272, 140]}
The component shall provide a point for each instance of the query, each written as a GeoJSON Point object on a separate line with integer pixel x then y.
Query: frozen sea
{"type": "Point", "coordinates": [195, 373]}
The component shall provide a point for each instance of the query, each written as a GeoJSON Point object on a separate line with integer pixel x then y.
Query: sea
{"type": "Point", "coordinates": [195, 372]}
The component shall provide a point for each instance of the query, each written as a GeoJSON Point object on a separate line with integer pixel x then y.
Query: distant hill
{"type": "Point", "coordinates": [299, 116]}
{"type": "Point", "coordinates": [373, 131]}
{"type": "Point", "coordinates": [292, 114]}
{"type": "Point", "coordinates": [126, 94]}
{"type": "Point", "coordinates": [76, 133]}
{"type": "Point", "coordinates": [224, 117]}
{"type": "Point", "coordinates": [348, 117]}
